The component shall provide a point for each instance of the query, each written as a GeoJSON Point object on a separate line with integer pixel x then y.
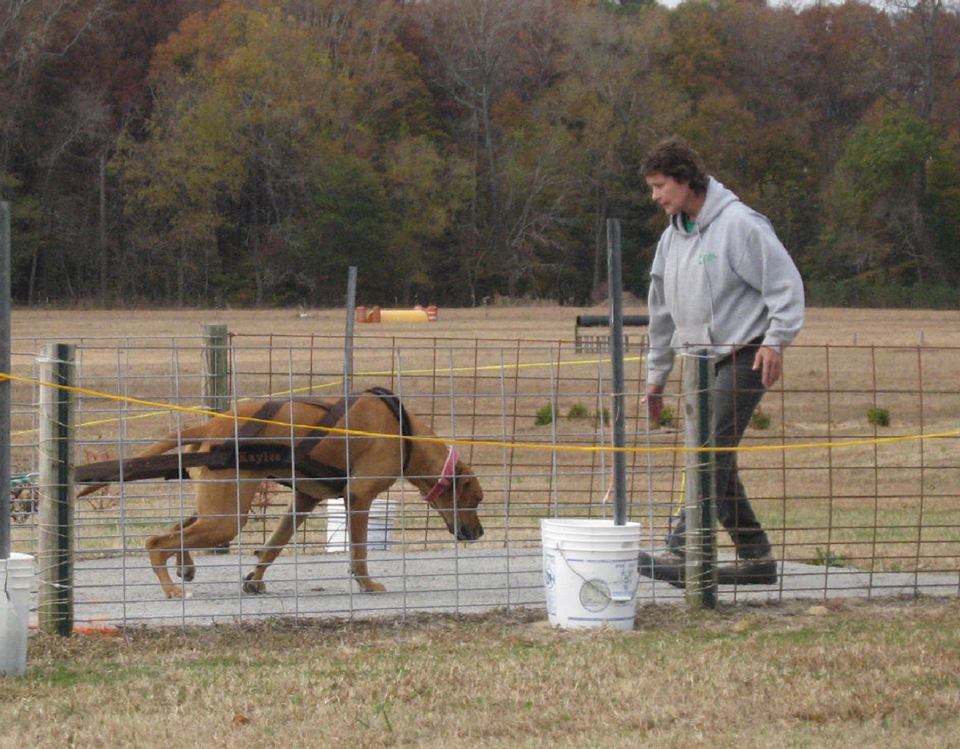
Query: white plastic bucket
{"type": "Point", "coordinates": [379, 526]}
{"type": "Point", "coordinates": [16, 584]}
{"type": "Point", "coordinates": [590, 572]}
{"type": "Point", "coordinates": [16, 573]}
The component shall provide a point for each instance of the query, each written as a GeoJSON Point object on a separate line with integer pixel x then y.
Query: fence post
{"type": "Point", "coordinates": [216, 367]}
{"type": "Point", "coordinates": [699, 502]}
{"type": "Point", "coordinates": [348, 334]}
{"type": "Point", "coordinates": [5, 384]}
{"type": "Point", "coordinates": [55, 563]}
{"type": "Point", "coordinates": [615, 290]}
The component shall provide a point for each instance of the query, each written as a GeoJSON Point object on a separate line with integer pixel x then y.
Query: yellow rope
{"type": "Point", "coordinates": [332, 384]}
{"type": "Point", "coordinates": [496, 443]}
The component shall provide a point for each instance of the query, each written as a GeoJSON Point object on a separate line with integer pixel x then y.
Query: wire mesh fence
{"type": "Point", "coordinates": [851, 464]}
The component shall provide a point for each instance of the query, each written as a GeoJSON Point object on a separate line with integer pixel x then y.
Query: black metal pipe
{"type": "Point", "coordinates": [5, 384]}
{"type": "Point", "coordinates": [603, 321]}
{"type": "Point", "coordinates": [615, 286]}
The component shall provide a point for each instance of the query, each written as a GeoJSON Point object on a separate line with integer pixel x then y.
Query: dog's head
{"type": "Point", "coordinates": [457, 503]}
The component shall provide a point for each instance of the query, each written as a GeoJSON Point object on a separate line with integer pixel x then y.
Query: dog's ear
{"type": "Point", "coordinates": [466, 477]}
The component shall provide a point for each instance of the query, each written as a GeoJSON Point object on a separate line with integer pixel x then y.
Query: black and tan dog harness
{"type": "Point", "coordinates": [247, 452]}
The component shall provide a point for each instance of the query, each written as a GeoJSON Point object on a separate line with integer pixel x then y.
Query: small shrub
{"type": "Point", "coordinates": [544, 415]}
{"type": "Point", "coordinates": [577, 411]}
{"type": "Point", "coordinates": [879, 417]}
{"type": "Point", "coordinates": [760, 419]}
{"type": "Point", "coordinates": [668, 418]}
{"type": "Point", "coordinates": [603, 414]}
{"type": "Point", "coordinates": [828, 559]}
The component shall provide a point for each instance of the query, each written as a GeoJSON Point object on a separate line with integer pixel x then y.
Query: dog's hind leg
{"type": "Point", "coordinates": [300, 506]}
{"type": "Point", "coordinates": [222, 511]}
{"type": "Point", "coordinates": [186, 570]}
{"type": "Point", "coordinates": [160, 548]}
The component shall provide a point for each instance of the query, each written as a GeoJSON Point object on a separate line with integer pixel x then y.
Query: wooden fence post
{"type": "Point", "coordinates": [216, 367]}
{"type": "Point", "coordinates": [55, 558]}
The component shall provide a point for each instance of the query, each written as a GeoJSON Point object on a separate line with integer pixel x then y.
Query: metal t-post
{"type": "Point", "coordinates": [348, 335]}
{"type": "Point", "coordinates": [4, 384]}
{"type": "Point", "coordinates": [699, 500]}
{"type": "Point", "coordinates": [615, 291]}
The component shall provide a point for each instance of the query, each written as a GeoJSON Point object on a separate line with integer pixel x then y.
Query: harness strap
{"type": "Point", "coordinates": [400, 413]}
{"type": "Point", "coordinates": [301, 457]}
{"type": "Point", "coordinates": [335, 412]}
{"type": "Point", "coordinates": [263, 456]}
{"type": "Point", "coordinates": [338, 410]}
{"type": "Point", "coordinates": [254, 426]}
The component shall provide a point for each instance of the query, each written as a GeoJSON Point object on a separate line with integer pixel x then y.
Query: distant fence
{"type": "Point", "coordinates": [852, 464]}
{"type": "Point", "coordinates": [587, 337]}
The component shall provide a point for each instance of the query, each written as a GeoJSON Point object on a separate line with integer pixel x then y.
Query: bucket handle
{"type": "Point", "coordinates": [612, 598]}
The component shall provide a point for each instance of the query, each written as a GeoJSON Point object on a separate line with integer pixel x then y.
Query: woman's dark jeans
{"type": "Point", "coordinates": [739, 389]}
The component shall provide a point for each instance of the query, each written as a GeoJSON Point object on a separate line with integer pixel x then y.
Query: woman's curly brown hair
{"type": "Point", "coordinates": [676, 158]}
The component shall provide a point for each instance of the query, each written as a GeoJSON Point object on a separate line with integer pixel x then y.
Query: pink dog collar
{"type": "Point", "coordinates": [447, 475]}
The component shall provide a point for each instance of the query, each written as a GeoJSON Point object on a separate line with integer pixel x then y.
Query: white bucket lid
{"type": "Point", "coordinates": [18, 555]}
{"type": "Point", "coordinates": [584, 523]}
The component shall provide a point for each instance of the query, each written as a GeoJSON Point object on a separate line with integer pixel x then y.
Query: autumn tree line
{"type": "Point", "coordinates": [247, 152]}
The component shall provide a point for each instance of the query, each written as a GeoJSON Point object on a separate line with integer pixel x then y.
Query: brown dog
{"type": "Point", "coordinates": [279, 440]}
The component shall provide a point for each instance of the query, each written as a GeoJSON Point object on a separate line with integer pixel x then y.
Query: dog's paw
{"type": "Point", "coordinates": [370, 586]}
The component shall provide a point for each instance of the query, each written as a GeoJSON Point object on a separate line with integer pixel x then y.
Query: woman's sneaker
{"type": "Point", "coordinates": [759, 571]}
{"type": "Point", "coordinates": [670, 567]}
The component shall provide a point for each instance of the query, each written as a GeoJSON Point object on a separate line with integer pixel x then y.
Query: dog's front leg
{"type": "Point", "coordinates": [359, 511]}
{"type": "Point", "coordinates": [301, 505]}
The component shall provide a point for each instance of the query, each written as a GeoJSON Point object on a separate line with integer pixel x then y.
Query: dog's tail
{"type": "Point", "coordinates": [188, 439]}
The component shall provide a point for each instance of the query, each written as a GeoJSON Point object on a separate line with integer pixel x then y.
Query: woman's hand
{"type": "Point", "coordinates": [770, 363]}
{"type": "Point", "coordinates": [654, 401]}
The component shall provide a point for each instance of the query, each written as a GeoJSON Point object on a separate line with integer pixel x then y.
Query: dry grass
{"type": "Point", "coordinates": [841, 675]}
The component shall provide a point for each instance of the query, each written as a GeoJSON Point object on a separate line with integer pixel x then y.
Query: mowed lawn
{"type": "Point", "coordinates": [800, 675]}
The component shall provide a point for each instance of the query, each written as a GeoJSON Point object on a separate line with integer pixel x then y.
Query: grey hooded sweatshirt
{"type": "Point", "coordinates": [725, 284]}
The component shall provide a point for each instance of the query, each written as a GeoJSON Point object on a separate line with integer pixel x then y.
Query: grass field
{"type": "Point", "coordinates": [878, 676]}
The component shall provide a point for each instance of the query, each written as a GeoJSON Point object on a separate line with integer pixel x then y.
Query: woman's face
{"type": "Point", "coordinates": [671, 195]}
